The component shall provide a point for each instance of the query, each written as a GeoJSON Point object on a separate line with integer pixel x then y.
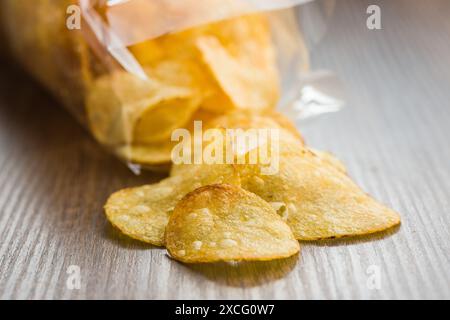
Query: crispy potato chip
{"type": "Point", "coordinates": [142, 213]}
{"type": "Point", "coordinates": [250, 119]}
{"type": "Point", "coordinates": [158, 153]}
{"type": "Point", "coordinates": [317, 200]}
{"type": "Point", "coordinates": [157, 123]}
{"type": "Point", "coordinates": [148, 53]}
{"type": "Point", "coordinates": [123, 108]}
{"type": "Point", "coordinates": [247, 39]}
{"type": "Point", "coordinates": [245, 44]}
{"type": "Point", "coordinates": [226, 223]}
{"type": "Point", "coordinates": [249, 84]}
{"type": "Point", "coordinates": [270, 119]}
{"type": "Point", "coordinates": [287, 139]}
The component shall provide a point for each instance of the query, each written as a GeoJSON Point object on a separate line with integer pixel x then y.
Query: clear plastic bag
{"type": "Point", "coordinates": [138, 69]}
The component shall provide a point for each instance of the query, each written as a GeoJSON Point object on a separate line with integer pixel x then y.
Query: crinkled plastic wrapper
{"type": "Point", "coordinates": [136, 70]}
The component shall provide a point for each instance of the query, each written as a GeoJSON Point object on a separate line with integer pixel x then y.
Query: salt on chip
{"type": "Point", "coordinates": [143, 212]}
{"type": "Point", "coordinates": [226, 223]}
{"type": "Point", "coordinates": [320, 201]}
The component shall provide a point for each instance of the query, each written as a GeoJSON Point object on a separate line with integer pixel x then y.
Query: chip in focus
{"type": "Point", "coordinates": [226, 223]}
{"type": "Point", "coordinates": [317, 200]}
{"type": "Point", "coordinates": [142, 213]}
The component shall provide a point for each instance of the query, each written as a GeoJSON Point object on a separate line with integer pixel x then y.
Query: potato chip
{"type": "Point", "coordinates": [142, 213]}
{"type": "Point", "coordinates": [157, 123]}
{"type": "Point", "coordinates": [226, 223]}
{"type": "Point", "coordinates": [248, 119]}
{"type": "Point", "coordinates": [247, 84]}
{"type": "Point", "coordinates": [123, 108]}
{"type": "Point", "coordinates": [158, 153]}
{"type": "Point", "coordinates": [247, 38]}
{"type": "Point", "coordinates": [240, 56]}
{"type": "Point", "coordinates": [317, 200]}
{"type": "Point", "coordinates": [273, 119]}
{"type": "Point", "coordinates": [287, 139]}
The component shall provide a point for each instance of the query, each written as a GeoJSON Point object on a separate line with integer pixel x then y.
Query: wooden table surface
{"type": "Point", "coordinates": [394, 135]}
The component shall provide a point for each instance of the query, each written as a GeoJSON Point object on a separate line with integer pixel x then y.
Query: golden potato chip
{"type": "Point", "coordinates": [226, 223]}
{"type": "Point", "coordinates": [317, 200]}
{"type": "Point", "coordinates": [156, 153]}
{"type": "Point", "coordinates": [245, 45]}
{"type": "Point", "coordinates": [148, 52]}
{"type": "Point", "coordinates": [157, 123]}
{"type": "Point", "coordinates": [241, 36]}
{"type": "Point", "coordinates": [284, 141]}
{"type": "Point", "coordinates": [251, 119]}
{"type": "Point", "coordinates": [142, 213]}
{"type": "Point", "coordinates": [247, 84]}
{"type": "Point", "coordinates": [122, 108]}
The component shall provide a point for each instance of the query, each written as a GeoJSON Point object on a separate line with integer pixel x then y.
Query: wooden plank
{"type": "Point", "coordinates": [393, 135]}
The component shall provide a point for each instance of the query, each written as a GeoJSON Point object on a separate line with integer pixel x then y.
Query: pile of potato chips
{"type": "Point", "coordinates": [225, 75]}
{"type": "Point", "coordinates": [233, 212]}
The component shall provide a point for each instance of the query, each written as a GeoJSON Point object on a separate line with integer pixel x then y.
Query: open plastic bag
{"type": "Point", "coordinates": [139, 69]}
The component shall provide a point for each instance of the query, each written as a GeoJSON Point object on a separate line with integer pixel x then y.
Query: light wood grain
{"type": "Point", "coordinates": [394, 136]}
